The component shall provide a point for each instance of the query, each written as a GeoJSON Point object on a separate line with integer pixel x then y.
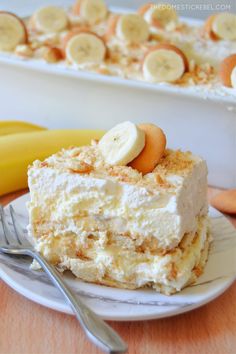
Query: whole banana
{"type": "Point", "coordinates": [18, 151]}
{"type": "Point", "coordinates": [16, 126]}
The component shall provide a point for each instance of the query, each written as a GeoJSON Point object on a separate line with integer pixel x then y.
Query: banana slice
{"type": "Point", "coordinates": [224, 26]}
{"type": "Point", "coordinates": [161, 16]}
{"type": "Point", "coordinates": [85, 48]}
{"type": "Point", "coordinates": [93, 11]}
{"type": "Point", "coordinates": [233, 77]}
{"type": "Point", "coordinates": [165, 63]}
{"type": "Point", "coordinates": [50, 19]}
{"type": "Point", "coordinates": [122, 144]}
{"type": "Point", "coordinates": [74, 31]}
{"type": "Point", "coordinates": [132, 28]}
{"type": "Point", "coordinates": [227, 67]}
{"type": "Point", "coordinates": [12, 31]}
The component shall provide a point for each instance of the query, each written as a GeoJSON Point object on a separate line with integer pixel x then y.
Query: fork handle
{"type": "Point", "coordinates": [96, 329]}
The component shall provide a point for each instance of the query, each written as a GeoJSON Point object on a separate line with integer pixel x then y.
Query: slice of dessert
{"type": "Point", "coordinates": [125, 226]}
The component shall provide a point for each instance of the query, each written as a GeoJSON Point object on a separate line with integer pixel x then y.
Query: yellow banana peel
{"type": "Point", "coordinates": [15, 126]}
{"type": "Point", "coordinates": [18, 151]}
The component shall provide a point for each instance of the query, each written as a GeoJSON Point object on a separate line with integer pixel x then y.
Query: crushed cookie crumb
{"type": "Point", "coordinates": [81, 256]}
{"type": "Point", "coordinates": [197, 271]}
{"type": "Point", "coordinates": [174, 162]}
{"type": "Point", "coordinates": [76, 153]}
{"type": "Point", "coordinates": [162, 182]}
{"type": "Point", "coordinates": [81, 167]}
{"type": "Point", "coordinates": [88, 159]}
{"type": "Point", "coordinates": [150, 244]}
{"type": "Point", "coordinates": [53, 55]}
{"type": "Point", "coordinates": [124, 174]}
{"type": "Point", "coordinates": [94, 142]}
{"type": "Point", "coordinates": [198, 74]}
{"type": "Point", "coordinates": [104, 71]}
{"type": "Point", "coordinates": [173, 272]}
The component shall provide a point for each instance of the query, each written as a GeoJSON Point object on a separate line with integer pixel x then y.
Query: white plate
{"type": "Point", "coordinates": [126, 305]}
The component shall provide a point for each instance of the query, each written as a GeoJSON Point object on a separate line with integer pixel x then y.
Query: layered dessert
{"type": "Point", "coordinates": [124, 211]}
{"type": "Point", "coordinates": [152, 44]}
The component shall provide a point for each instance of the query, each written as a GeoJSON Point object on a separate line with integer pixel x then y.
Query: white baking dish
{"type": "Point", "coordinates": [59, 97]}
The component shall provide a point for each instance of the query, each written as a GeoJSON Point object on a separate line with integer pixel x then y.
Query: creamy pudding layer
{"type": "Point", "coordinates": [117, 265]}
{"type": "Point", "coordinates": [117, 260]}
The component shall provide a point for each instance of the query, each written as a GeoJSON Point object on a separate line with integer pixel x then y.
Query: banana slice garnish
{"type": "Point", "coordinates": [85, 48]}
{"type": "Point", "coordinates": [93, 11]}
{"type": "Point", "coordinates": [220, 26]}
{"type": "Point", "coordinates": [50, 19]}
{"type": "Point", "coordinates": [132, 28]}
{"type": "Point", "coordinates": [164, 63]}
{"type": "Point", "coordinates": [12, 31]}
{"type": "Point", "coordinates": [224, 26]}
{"type": "Point", "coordinates": [160, 15]}
{"type": "Point", "coordinates": [122, 144]}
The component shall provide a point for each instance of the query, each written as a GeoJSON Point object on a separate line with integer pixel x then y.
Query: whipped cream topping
{"type": "Point", "coordinates": [123, 201]}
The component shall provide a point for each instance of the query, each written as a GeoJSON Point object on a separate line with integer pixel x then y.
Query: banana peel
{"type": "Point", "coordinates": [16, 126]}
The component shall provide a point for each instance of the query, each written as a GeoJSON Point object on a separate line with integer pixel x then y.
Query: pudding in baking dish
{"type": "Point", "coordinates": [124, 211]}
{"type": "Point", "coordinates": [152, 44]}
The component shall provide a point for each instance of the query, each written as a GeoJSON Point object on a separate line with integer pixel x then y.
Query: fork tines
{"type": "Point", "coordinates": [7, 234]}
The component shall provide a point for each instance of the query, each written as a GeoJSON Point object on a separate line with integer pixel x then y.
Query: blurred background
{"type": "Point", "coordinates": [193, 8]}
{"type": "Point", "coordinates": [63, 101]}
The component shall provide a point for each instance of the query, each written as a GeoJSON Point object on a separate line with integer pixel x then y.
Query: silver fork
{"type": "Point", "coordinates": [96, 329]}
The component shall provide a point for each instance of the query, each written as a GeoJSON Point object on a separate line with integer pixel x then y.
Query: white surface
{"type": "Point", "coordinates": [127, 305]}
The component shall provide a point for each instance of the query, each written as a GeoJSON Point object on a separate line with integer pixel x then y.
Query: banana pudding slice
{"type": "Point", "coordinates": [117, 224]}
